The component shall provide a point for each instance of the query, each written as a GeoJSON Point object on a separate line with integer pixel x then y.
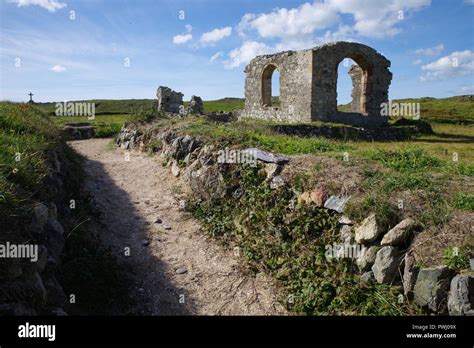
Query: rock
{"type": "Point", "coordinates": [175, 170]}
{"type": "Point", "coordinates": [367, 258]}
{"type": "Point", "coordinates": [344, 220]}
{"type": "Point", "coordinates": [471, 264]}
{"type": "Point", "coordinates": [59, 312]}
{"type": "Point", "coordinates": [272, 170]}
{"type": "Point", "coordinates": [207, 182]}
{"type": "Point", "coordinates": [145, 242]}
{"type": "Point", "coordinates": [34, 285]}
{"type": "Point", "coordinates": [55, 240]}
{"type": "Point", "coordinates": [336, 203]}
{"type": "Point", "coordinates": [277, 182]}
{"type": "Point", "coordinates": [400, 234]}
{"type": "Point", "coordinates": [431, 288]}
{"type": "Point", "coordinates": [167, 227]}
{"type": "Point", "coordinates": [266, 156]}
{"type": "Point", "coordinates": [158, 221]}
{"type": "Point", "coordinates": [346, 235]}
{"type": "Point", "coordinates": [53, 225]}
{"type": "Point", "coordinates": [56, 296]}
{"type": "Point", "coordinates": [304, 198]}
{"type": "Point", "coordinates": [181, 270]}
{"type": "Point", "coordinates": [40, 264]}
{"type": "Point", "coordinates": [367, 278]}
{"type": "Point", "coordinates": [368, 230]}
{"type": "Point", "coordinates": [410, 274]}
{"type": "Point", "coordinates": [318, 196]}
{"type": "Point", "coordinates": [41, 213]}
{"type": "Point", "coordinates": [461, 295]}
{"type": "Point", "coordinates": [182, 205]}
{"type": "Point", "coordinates": [385, 265]}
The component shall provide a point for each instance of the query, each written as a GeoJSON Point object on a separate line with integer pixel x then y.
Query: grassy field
{"type": "Point", "coordinates": [443, 114]}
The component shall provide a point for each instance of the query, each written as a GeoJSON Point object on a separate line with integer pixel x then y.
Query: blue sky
{"type": "Point", "coordinates": [117, 49]}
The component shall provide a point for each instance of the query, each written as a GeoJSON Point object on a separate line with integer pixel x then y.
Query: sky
{"type": "Point", "coordinates": [116, 49]}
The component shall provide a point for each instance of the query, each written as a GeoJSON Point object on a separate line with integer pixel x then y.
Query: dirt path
{"type": "Point", "coordinates": [181, 270]}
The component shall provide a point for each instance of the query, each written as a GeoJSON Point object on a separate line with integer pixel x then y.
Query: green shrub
{"type": "Point", "coordinates": [456, 259]}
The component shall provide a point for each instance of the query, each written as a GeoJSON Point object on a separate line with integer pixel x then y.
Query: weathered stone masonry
{"type": "Point", "coordinates": [308, 85]}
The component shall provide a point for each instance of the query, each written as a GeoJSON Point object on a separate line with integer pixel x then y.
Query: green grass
{"type": "Point", "coordinates": [26, 138]}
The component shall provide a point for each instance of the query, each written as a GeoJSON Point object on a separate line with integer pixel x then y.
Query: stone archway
{"type": "Point", "coordinates": [308, 85]}
{"type": "Point", "coordinates": [371, 80]}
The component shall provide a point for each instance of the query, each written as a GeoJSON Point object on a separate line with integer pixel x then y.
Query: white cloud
{"type": "Point", "coordinates": [215, 35]}
{"type": "Point", "coordinates": [469, 2]}
{"type": "Point", "coordinates": [58, 69]}
{"type": "Point", "coordinates": [50, 5]}
{"type": "Point", "coordinates": [246, 53]}
{"type": "Point", "coordinates": [459, 63]}
{"type": "Point", "coordinates": [431, 51]}
{"type": "Point", "coordinates": [417, 62]}
{"type": "Point", "coordinates": [216, 56]}
{"type": "Point", "coordinates": [372, 18]}
{"type": "Point", "coordinates": [181, 39]}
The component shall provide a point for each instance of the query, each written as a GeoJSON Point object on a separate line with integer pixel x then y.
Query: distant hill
{"type": "Point", "coordinates": [444, 110]}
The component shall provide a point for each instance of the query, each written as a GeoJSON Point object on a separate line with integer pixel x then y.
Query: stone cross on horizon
{"type": "Point", "coordinates": [31, 97]}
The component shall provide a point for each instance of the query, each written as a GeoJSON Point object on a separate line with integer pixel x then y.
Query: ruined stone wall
{"type": "Point", "coordinates": [308, 85]}
{"type": "Point", "coordinates": [356, 74]}
{"type": "Point", "coordinates": [375, 81]}
{"type": "Point", "coordinates": [295, 87]}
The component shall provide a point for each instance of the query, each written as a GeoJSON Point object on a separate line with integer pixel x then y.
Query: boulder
{"type": "Point", "coordinates": [461, 295]}
{"type": "Point", "coordinates": [346, 235]}
{"type": "Point", "coordinates": [175, 170]}
{"type": "Point", "coordinates": [367, 278]}
{"type": "Point", "coordinates": [318, 196]}
{"type": "Point", "coordinates": [368, 230]}
{"type": "Point", "coordinates": [386, 265]}
{"type": "Point", "coordinates": [431, 288]}
{"type": "Point", "coordinates": [266, 156]}
{"type": "Point", "coordinates": [367, 258]}
{"type": "Point", "coordinates": [336, 203]}
{"type": "Point", "coordinates": [272, 170]}
{"type": "Point", "coordinates": [400, 234]}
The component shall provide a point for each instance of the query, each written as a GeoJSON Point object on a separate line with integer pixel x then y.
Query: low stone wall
{"type": "Point", "coordinates": [32, 286]}
{"type": "Point", "coordinates": [383, 256]}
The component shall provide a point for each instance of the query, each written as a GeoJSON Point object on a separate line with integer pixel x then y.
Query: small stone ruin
{"type": "Point", "coordinates": [308, 85]}
{"type": "Point", "coordinates": [172, 101]}
{"type": "Point", "coordinates": [169, 100]}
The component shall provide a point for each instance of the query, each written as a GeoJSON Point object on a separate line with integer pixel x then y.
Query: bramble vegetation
{"type": "Point", "coordinates": [290, 244]}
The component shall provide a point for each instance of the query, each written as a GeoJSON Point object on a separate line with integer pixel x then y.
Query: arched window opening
{"type": "Point", "coordinates": [271, 86]}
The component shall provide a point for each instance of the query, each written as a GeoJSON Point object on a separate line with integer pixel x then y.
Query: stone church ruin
{"type": "Point", "coordinates": [308, 85]}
